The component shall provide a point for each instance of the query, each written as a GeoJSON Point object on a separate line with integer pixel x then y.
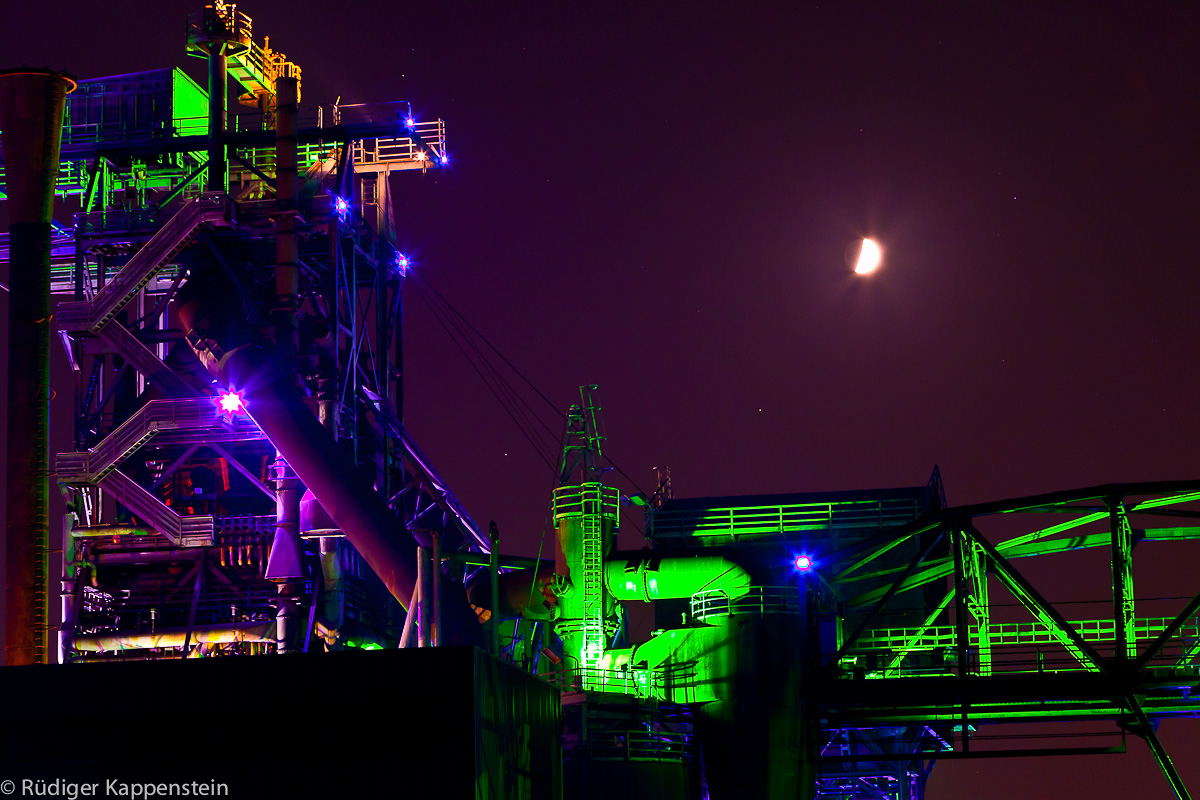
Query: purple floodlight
{"type": "Point", "coordinates": [231, 403]}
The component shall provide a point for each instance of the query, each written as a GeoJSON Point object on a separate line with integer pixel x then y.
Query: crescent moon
{"type": "Point", "coordinates": [869, 257]}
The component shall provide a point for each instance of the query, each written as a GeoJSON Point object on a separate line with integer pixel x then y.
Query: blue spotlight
{"type": "Point", "coordinates": [445, 159]}
{"type": "Point", "coordinates": [408, 123]}
{"type": "Point", "coordinates": [402, 264]}
{"type": "Point", "coordinates": [341, 205]}
{"type": "Point", "coordinates": [802, 563]}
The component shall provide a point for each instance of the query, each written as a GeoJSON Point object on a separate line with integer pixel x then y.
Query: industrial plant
{"type": "Point", "coordinates": [263, 581]}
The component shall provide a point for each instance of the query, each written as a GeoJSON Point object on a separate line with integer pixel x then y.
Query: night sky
{"type": "Point", "coordinates": [657, 197]}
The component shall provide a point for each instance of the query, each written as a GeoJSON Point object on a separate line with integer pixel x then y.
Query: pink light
{"type": "Point", "coordinates": [231, 402]}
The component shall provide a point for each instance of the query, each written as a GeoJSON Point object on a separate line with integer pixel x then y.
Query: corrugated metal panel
{"type": "Point", "coordinates": [189, 105]}
{"type": "Point", "coordinates": [140, 105]}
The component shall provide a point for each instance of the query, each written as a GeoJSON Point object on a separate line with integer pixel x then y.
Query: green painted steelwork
{"type": "Point", "coordinates": [1023, 546]}
{"type": "Point", "coordinates": [933, 637]}
{"type": "Point", "coordinates": [784, 519]}
{"type": "Point", "coordinates": [949, 666]}
{"type": "Point", "coordinates": [585, 516]}
{"type": "Point", "coordinates": [1121, 558]}
{"type": "Point", "coordinates": [648, 578]}
{"type": "Point", "coordinates": [1033, 602]}
{"type": "Point", "coordinates": [912, 638]}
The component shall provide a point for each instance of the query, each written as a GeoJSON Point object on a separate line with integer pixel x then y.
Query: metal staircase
{"type": "Point", "coordinates": [144, 361]}
{"type": "Point", "coordinates": [185, 531]}
{"type": "Point", "coordinates": [191, 421]}
{"type": "Point", "coordinates": [212, 208]}
{"type": "Point", "coordinates": [200, 416]}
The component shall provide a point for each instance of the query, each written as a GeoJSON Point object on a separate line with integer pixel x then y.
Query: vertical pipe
{"type": "Point", "coordinates": [287, 246]}
{"type": "Point", "coordinates": [351, 391]}
{"type": "Point", "coordinates": [424, 597]}
{"type": "Point", "coordinates": [31, 115]}
{"type": "Point", "coordinates": [382, 465]}
{"type": "Point", "coordinates": [218, 175]}
{"type": "Point", "coordinates": [285, 565]}
{"type": "Point", "coordinates": [399, 354]}
{"type": "Point", "coordinates": [494, 566]}
{"type": "Point", "coordinates": [436, 585]}
{"type": "Point", "coordinates": [66, 585]}
{"type": "Point", "coordinates": [286, 561]}
{"type": "Point", "coordinates": [410, 617]}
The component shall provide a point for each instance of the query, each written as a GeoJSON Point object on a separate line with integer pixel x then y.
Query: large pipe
{"type": "Point", "coordinates": [524, 593]}
{"type": "Point", "coordinates": [273, 400]}
{"type": "Point", "coordinates": [261, 631]}
{"type": "Point", "coordinates": [286, 561]}
{"type": "Point", "coordinates": [31, 115]}
{"type": "Point", "coordinates": [651, 576]}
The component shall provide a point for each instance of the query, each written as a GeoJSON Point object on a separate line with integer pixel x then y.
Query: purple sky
{"type": "Point", "coordinates": [656, 197]}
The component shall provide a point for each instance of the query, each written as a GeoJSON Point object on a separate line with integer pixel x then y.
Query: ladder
{"type": "Point", "coordinates": [593, 585]}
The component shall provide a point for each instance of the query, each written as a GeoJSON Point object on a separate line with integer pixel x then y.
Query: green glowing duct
{"type": "Point", "coordinates": [644, 576]}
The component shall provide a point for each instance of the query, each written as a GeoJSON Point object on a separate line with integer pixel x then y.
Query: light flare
{"type": "Point", "coordinates": [231, 402]}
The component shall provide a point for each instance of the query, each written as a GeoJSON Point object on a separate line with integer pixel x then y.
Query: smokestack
{"type": "Point", "coordinates": [31, 115]}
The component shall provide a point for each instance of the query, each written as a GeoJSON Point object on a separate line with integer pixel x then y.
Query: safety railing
{"type": "Point", "coordinates": [637, 682]}
{"type": "Point", "coordinates": [209, 209]}
{"type": "Point", "coordinates": [632, 745]}
{"type": "Point", "coordinates": [587, 498]}
{"type": "Point", "coordinates": [220, 22]}
{"type": "Point", "coordinates": [715, 604]}
{"type": "Point", "coordinates": [140, 220]}
{"type": "Point", "coordinates": [190, 531]}
{"type": "Point", "coordinates": [1006, 633]}
{"type": "Point", "coordinates": [785, 518]}
{"type": "Point", "coordinates": [201, 414]}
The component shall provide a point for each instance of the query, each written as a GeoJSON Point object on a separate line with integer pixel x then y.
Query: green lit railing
{"type": "Point", "coordinates": [770, 520]}
{"type": "Point", "coordinates": [1014, 633]}
{"type": "Point", "coordinates": [587, 498]}
{"type": "Point", "coordinates": [636, 682]}
{"type": "Point", "coordinates": [712, 605]}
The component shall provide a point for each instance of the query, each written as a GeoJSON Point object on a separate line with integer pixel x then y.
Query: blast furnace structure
{"type": "Point", "coordinates": [241, 484]}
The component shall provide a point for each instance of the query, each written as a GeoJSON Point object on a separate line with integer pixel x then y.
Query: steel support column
{"type": "Point", "coordinates": [1121, 556]}
{"type": "Point", "coordinates": [218, 172]}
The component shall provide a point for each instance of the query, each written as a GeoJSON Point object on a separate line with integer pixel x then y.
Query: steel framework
{"type": "Point", "coordinates": [173, 499]}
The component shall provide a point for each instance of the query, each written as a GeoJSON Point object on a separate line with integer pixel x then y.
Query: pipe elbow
{"type": "Point", "coordinates": [648, 577]}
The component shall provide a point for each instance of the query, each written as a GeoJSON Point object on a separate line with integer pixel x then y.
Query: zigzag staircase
{"type": "Point", "coordinates": [145, 361]}
{"type": "Point", "coordinates": [209, 210]}
{"type": "Point", "coordinates": [202, 421]}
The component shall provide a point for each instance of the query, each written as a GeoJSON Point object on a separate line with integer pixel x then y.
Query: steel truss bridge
{"type": "Point", "coordinates": [996, 649]}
